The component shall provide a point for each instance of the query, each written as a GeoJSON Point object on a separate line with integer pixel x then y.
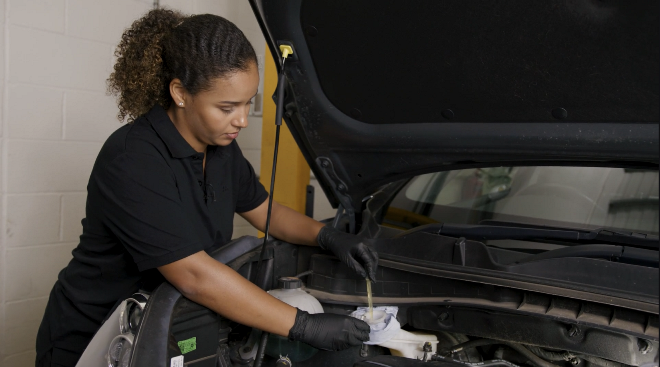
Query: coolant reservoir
{"type": "Point", "coordinates": [290, 292]}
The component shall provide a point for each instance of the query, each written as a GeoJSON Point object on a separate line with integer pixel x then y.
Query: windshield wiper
{"type": "Point", "coordinates": [495, 230]}
{"type": "Point", "coordinates": [623, 254]}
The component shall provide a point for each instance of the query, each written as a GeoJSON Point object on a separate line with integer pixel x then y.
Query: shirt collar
{"type": "Point", "coordinates": [176, 144]}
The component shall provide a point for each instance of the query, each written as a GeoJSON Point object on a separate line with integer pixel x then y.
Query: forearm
{"type": "Point", "coordinates": [293, 227]}
{"type": "Point", "coordinates": [210, 283]}
{"type": "Point", "coordinates": [218, 287]}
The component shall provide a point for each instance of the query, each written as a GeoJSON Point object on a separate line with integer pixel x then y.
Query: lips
{"type": "Point", "coordinates": [232, 135]}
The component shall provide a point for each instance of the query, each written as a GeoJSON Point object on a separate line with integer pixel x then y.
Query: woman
{"type": "Point", "coordinates": [164, 189]}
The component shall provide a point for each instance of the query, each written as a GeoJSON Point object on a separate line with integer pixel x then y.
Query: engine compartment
{"type": "Point", "coordinates": [476, 323]}
{"type": "Point", "coordinates": [509, 326]}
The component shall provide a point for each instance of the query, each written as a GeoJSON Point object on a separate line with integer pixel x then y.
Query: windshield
{"type": "Point", "coordinates": [580, 197]}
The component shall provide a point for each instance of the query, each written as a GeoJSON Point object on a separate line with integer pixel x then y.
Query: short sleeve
{"type": "Point", "coordinates": [251, 193]}
{"type": "Point", "coordinates": [142, 207]}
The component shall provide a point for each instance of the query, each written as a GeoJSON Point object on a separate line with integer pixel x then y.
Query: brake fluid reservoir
{"type": "Point", "coordinates": [290, 292]}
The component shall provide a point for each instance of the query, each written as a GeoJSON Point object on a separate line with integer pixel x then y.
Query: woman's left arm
{"type": "Point", "coordinates": [286, 224]}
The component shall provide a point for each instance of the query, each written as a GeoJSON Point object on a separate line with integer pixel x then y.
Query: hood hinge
{"type": "Point", "coordinates": [340, 190]}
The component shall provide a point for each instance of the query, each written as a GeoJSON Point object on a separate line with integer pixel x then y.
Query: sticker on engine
{"type": "Point", "coordinates": [176, 361]}
{"type": "Point", "coordinates": [188, 345]}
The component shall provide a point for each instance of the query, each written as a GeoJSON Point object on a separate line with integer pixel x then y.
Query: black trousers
{"type": "Point", "coordinates": [47, 361]}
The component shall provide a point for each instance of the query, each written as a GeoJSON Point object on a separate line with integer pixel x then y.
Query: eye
{"type": "Point", "coordinates": [226, 110]}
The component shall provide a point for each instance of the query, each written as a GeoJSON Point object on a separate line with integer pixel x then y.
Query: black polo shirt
{"type": "Point", "coordinates": [149, 203]}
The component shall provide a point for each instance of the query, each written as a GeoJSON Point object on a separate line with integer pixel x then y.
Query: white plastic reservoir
{"type": "Point", "coordinates": [290, 292]}
{"type": "Point", "coordinates": [386, 332]}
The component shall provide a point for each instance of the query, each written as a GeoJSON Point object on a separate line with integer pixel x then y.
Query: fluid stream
{"type": "Point", "coordinates": [370, 300]}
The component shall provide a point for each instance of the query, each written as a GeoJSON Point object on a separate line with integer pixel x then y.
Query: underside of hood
{"type": "Point", "coordinates": [379, 91]}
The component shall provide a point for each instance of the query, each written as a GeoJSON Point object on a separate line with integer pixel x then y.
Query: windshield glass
{"type": "Point", "coordinates": [580, 197]}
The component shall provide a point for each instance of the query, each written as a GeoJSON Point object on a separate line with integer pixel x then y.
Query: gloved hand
{"type": "Point", "coordinates": [352, 250]}
{"type": "Point", "coordinates": [329, 331]}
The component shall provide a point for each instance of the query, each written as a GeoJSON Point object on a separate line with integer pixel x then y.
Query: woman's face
{"type": "Point", "coordinates": [215, 116]}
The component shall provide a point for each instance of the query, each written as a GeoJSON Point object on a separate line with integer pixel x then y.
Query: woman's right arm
{"type": "Point", "coordinates": [208, 282]}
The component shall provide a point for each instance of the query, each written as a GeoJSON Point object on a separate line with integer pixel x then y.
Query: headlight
{"type": "Point", "coordinates": [120, 351]}
{"type": "Point", "coordinates": [130, 317]}
{"type": "Point", "coordinates": [131, 313]}
{"type": "Point", "coordinates": [134, 318]}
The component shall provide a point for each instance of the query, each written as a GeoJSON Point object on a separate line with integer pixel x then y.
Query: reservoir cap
{"type": "Point", "coordinates": [290, 283]}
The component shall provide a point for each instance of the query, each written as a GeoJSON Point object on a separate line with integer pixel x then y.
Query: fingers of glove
{"type": "Point", "coordinates": [357, 329]}
{"type": "Point", "coordinates": [338, 345]}
{"type": "Point", "coordinates": [356, 339]}
{"type": "Point", "coordinates": [361, 326]}
{"type": "Point", "coordinates": [353, 264]}
{"type": "Point", "coordinates": [370, 260]}
{"type": "Point", "coordinates": [351, 334]}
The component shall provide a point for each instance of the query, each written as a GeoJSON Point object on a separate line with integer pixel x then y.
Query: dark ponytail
{"type": "Point", "coordinates": [165, 44]}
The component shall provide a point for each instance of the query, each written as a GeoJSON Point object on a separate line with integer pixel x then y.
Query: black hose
{"type": "Point", "coordinates": [532, 357]}
{"type": "Point", "coordinates": [490, 363]}
{"type": "Point", "coordinates": [549, 355]}
{"type": "Point", "coordinates": [472, 344]}
{"type": "Point", "coordinates": [567, 356]}
{"type": "Point", "coordinates": [517, 347]}
{"type": "Point", "coordinates": [494, 363]}
{"type": "Point", "coordinates": [261, 350]}
{"type": "Point", "coordinates": [304, 273]}
{"type": "Point", "coordinates": [534, 354]}
{"type": "Point", "coordinates": [599, 361]}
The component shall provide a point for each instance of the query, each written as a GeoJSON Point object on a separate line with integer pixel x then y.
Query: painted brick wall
{"type": "Point", "coordinates": [54, 116]}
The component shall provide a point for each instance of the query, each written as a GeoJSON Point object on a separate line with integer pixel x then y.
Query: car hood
{"type": "Point", "coordinates": [380, 93]}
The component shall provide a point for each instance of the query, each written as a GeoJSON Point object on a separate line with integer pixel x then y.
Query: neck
{"type": "Point", "coordinates": [177, 115]}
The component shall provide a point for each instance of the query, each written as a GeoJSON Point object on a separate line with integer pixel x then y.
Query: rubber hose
{"type": "Point", "coordinates": [472, 344]}
{"type": "Point", "coordinates": [562, 356]}
{"type": "Point", "coordinates": [532, 357]}
{"type": "Point", "coordinates": [261, 350]}
{"type": "Point", "coordinates": [304, 273]}
{"type": "Point", "coordinates": [498, 363]}
{"type": "Point", "coordinates": [546, 354]}
{"type": "Point", "coordinates": [517, 347]}
{"type": "Point", "coordinates": [599, 361]}
{"type": "Point", "coordinates": [490, 363]}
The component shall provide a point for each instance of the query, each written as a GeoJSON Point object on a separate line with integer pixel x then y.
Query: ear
{"type": "Point", "coordinates": [177, 91]}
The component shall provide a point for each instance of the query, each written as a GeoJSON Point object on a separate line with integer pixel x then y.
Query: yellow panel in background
{"type": "Point", "coordinates": [292, 175]}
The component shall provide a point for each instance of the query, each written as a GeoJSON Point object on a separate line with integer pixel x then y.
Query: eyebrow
{"type": "Point", "coordinates": [237, 103]}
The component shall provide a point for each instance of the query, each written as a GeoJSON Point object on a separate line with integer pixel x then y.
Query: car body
{"type": "Point", "coordinates": [504, 155]}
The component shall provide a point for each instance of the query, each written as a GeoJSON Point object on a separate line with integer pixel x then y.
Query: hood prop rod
{"type": "Point", "coordinates": [286, 51]}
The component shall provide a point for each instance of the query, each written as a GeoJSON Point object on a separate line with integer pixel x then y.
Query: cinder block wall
{"type": "Point", "coordinates": [55, 56]}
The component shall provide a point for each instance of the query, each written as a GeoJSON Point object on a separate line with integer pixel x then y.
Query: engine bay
{"type": "Point", "coordinates": [472, 322]}
{"type": "Point", "coordinates": [475, 323]}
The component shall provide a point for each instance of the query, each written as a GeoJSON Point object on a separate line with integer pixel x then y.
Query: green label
{"type": "Point", "coordinates": [188, 345]}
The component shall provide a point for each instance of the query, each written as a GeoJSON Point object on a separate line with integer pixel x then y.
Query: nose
{"type": "Point", "coordinates": [241, 119]}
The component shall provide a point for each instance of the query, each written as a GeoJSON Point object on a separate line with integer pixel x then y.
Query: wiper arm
{"type": "Point", "coordinates": [515, 231]}
{"type": "Point", "coordinates": [624, 254]}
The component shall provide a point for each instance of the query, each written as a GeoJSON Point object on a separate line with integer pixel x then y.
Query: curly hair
{"type": "Point", "coordinates": [164, 45]}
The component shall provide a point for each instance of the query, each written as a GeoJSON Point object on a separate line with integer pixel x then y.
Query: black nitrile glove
{"type": "Point", "coordinates": [329, 331]}
{"type": "Point", "coordinates": [352, 250]}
